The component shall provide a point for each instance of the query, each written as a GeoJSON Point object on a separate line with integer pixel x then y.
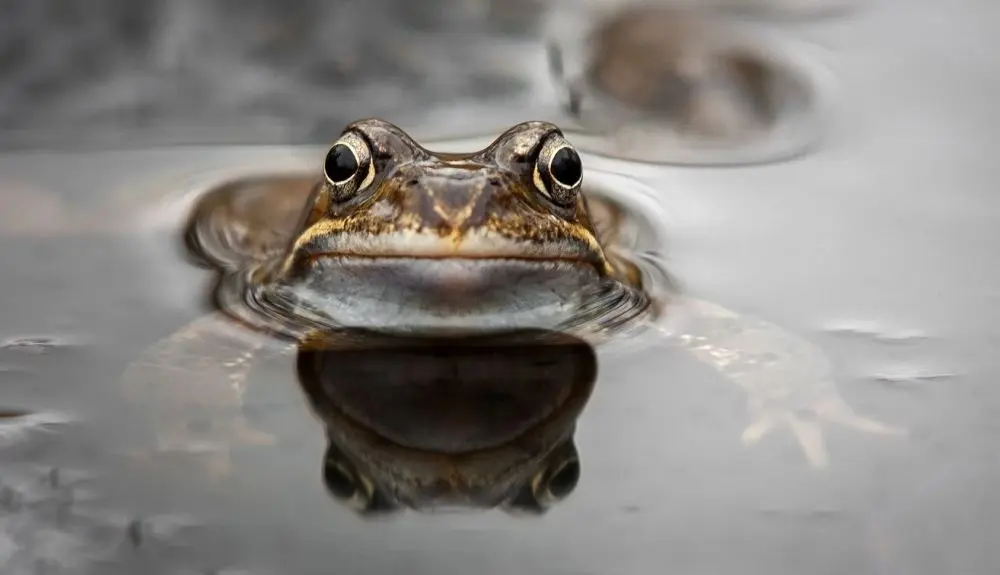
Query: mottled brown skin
{"type": "Point", "coordinates": [422, 193]}
{"type": "Point", "coordinates": [417, 241]}
{"type": "Point", "coordinates": [261, 226]}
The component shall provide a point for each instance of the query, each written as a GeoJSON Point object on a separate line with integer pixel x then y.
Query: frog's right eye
{"type": "Point", "coordinates": [348, 168]}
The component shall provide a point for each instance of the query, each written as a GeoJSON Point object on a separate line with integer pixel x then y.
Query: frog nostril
{"type": "Point", "coordinates": [412, 182]}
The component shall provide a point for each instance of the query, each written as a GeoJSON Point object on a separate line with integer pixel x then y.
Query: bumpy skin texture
{"type": "Point", "coordinates": [402, 239]}
{"type": "Point", "coordinates": [420, 196]}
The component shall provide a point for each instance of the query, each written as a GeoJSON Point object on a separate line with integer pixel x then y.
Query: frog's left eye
{"type": "Point", "coordinates": [558, 170]}
{"type": "Point", "coordinates": [348, 167]}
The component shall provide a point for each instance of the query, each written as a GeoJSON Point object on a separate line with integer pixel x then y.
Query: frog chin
{"type": "Point", "coordinates": [443, 294]}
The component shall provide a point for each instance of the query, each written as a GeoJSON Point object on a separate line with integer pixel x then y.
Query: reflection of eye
{"type": "Point", "coordinates": [563, 481]}
{"type": "Point", "coordinates": [340, 481]}
{"type": "Point", "coordinates": [348, 167]}
{"type": "Point", "coordinates": [553, 484]}
{"type": "Point", "coordinates": [345, 484]}
{"type": "Point", "coordinates": [558, 170]}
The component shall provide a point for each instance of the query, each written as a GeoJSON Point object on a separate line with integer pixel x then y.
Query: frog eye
{"type": "Point", "coordinates": [558, 170]}
{"type": "Point", "coordinates": [348, 168]}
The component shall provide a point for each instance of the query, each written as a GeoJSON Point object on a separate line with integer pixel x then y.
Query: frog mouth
{"type": "Point", "coordinates": [429, 281]}
{"type": "Point", "coordinates": [470, 247]}
{"type": "Point", "coordinates": [436, 285]}
{"type": "Point", "coordinates": [448, 280]}
{"type": "Point", "coordinates": [439, 274]}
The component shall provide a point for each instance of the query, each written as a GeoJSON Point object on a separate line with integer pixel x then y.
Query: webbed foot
{"type": "Point", "coordinates": [806, 424]}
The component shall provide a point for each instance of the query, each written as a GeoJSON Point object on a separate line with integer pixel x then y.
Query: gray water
{"type": "Point", "coordinates": [872, 244]}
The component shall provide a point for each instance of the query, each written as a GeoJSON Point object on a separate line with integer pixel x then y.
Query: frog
{"type": "Point", "coordinates": [512, 227]}
{"type": "Point", "coordinates": [393, 240]}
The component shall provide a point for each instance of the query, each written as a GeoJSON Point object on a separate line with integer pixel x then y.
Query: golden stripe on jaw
{"type": "Point", "coordinates": [475, 243]}
{"type": "Point", "coordinates": [451, 209]}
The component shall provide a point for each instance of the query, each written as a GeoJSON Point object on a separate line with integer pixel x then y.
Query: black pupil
{"type": "Point", "coordinates": [340, 163]}
{"type": "Point", "coordinates": [566, 167]}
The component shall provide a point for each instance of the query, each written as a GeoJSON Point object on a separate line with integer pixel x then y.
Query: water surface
{"type": "Point", "coordinates": [875, 249]}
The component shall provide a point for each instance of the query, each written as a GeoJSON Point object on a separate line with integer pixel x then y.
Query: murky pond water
{"type": "Point", "coordinates": [818, 396]}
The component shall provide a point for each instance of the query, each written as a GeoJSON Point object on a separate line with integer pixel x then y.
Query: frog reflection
{"type": "Point", "coordinates": [431, 424]}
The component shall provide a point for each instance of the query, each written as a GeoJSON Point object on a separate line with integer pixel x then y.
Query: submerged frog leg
{"type": "Point", "coordinates": [787, 379]}
{"type": "Point", "coordinates": [192, 384]}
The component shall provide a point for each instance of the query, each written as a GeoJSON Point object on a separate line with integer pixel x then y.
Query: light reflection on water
{"type": "Point", "coordinates": [648, 402]}
{"type": "Point", "coordinates": [195, 437]}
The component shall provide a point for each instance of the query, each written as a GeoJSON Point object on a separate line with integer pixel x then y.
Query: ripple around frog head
{"type": "Point", "coordinates": [604, 310]}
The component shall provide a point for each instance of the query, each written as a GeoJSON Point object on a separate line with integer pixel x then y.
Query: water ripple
{"type": "Point", "coordinates": [247, 293]}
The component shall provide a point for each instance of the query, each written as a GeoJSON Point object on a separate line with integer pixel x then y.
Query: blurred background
{"type": "Point", "coordinates": [237, 71]}
{"type": "Point", "coordinates": [117, 72]}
